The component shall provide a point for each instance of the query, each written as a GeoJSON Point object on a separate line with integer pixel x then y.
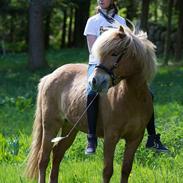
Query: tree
{"type": "Point", "coordinates": [11, 30]}
{"type": "Point", "coordinates": [81, 16]}
{"type": "Point", "coordinates": [48, 16]}
{"type": "Point", "coordinates": [70, 29]}
{"type": "Point", "coordinates": [36, 36]}
{"type": "Point", "coordinates": [179, 37]}
{"type": "Point", "coordinates": [132, 9]}
{"type": "Point", "coordinates": [168, 33]}
{"type": "Point", "coordinates": [64, 26]}
{"type": "Point", "coordinates": [144, 15]}
{"type": "Point", "coordinates": [155, 10]}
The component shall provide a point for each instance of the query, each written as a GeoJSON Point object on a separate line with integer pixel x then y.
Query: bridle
{"type": "Point", "coordinates": [110, 71]}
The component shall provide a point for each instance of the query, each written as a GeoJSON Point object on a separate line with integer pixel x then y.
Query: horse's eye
{"type": "Point", "coordinates": [114, 54]}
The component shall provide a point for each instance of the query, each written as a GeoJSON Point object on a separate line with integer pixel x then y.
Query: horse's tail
{"type": "Point", "coordinates": [33, 157]}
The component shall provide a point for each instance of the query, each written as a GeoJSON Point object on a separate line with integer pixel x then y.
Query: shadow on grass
{"type": "Point", "coordinates": [167, 85]}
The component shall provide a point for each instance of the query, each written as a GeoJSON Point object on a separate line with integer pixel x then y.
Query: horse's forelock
{"type": "Point", "coordinates": [109, 41]}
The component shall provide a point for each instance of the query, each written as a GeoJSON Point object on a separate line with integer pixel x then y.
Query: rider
{"type": "Point", "coordinates": [97, 24]}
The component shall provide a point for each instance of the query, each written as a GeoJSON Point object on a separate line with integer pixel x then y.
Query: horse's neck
{"type": "Point", "coordinates": [135, 83]}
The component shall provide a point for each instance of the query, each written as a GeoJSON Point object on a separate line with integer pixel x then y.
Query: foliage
{"type": "Point", "coordinates": [14, 21]}
{"type": "Point", "coordinates": [17, 104]}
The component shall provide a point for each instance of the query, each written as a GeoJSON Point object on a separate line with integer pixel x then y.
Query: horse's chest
{"type": "Point", "coordinates": [127, 113]}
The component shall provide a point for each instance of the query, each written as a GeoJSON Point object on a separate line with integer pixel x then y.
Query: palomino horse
{"type": "Point", "coordinates": [127, 63]}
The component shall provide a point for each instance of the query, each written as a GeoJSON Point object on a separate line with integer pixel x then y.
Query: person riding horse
{"type": "Point", "coordinates": [104, 20]}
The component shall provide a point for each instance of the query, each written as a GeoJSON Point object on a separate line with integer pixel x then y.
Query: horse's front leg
{"type": "Point", "coordinates": [110, 142]}
{"type": "Point", "coordinates": [130, 149]}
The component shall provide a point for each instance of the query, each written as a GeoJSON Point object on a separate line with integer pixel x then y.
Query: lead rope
{"type": "Point", "coordinates": [57, 139]}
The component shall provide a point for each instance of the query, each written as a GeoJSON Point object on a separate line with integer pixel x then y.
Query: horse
{"type": "Point", "coordinates": [127, 65]}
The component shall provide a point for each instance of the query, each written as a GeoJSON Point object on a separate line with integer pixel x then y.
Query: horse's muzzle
{"type": "Point", "coordinates": [100, 83]}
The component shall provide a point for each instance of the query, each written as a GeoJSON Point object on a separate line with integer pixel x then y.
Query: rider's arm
{"type": "Point", "coordinates": [90, 41]}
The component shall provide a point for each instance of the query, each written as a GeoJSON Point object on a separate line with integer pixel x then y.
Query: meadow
{"type": "Point", "coordinates": [18, 89]}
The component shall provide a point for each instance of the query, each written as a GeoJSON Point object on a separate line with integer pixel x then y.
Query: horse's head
{"type": "Point", "coordinates": [122, 54]}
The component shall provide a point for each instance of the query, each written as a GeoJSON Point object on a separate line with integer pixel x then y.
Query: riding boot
{"type": "Point", "coordinates": [153, 141]}
{"type": "Point", "coordinates": [92, 120]}
{"type": "Point", "coordinates": [151, 125]}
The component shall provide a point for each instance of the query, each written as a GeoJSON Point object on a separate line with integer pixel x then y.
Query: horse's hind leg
{"type": "Point", "coordinates": [130, 149]}
{"type": "Point", "coordinates": [59, 151]}
{"type": "Point", "coordinates": [110, 142]}
{"type": "Point", "coordinates": [51, 127]}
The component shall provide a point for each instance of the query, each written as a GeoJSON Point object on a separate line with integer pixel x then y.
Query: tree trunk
{"type": "Point", "coordinates": [132, 9]}
{"type": "Point", "coordinates": [168, 33]}
{"type": "Point", "coordinates": [70, 33]}
{"type": "Point", "coordinates": [3, 47]}
{"type": "Point", "coordinates": [144, 15]}
{"type": "Point", "coordinates": [12, 28]}
{"type": "Point", "coordinates": [36, 36]}
{"type": "Point", "coordinates": [27, 29]}
{"type": "Point", "coordinates": [64, 29]}
{"type": "Point", "coordinates": [47, 28]}
{"type": "Point", "coordinates": [81, 16]}
{"type": "Point", "coordinates": [155, 11]}
{"type": "Point", "coordinates": [179, 39]}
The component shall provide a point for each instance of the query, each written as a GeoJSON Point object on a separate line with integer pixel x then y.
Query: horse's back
{"type": "Point", "coordinates": [65, 74]}
{"type": "Point", "coordinates": [66, 89]}
{"type": "Point", "coordinates": [71, 70]}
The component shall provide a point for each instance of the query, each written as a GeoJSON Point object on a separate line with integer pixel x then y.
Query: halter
{"type": "Point", "coordinates": [110, 71]}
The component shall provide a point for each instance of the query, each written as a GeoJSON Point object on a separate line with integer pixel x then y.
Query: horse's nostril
{"type": "Point", "coordinates": [94, 81]}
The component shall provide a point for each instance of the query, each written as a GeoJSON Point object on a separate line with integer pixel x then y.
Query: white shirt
{"type": "Point", "coordinates": [97, 24]}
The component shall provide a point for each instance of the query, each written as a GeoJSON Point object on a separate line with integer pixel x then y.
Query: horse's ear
{"type": "Point", "coordinates": [122, 32]}
{"type": "Point", "coordinates": [121, 29]}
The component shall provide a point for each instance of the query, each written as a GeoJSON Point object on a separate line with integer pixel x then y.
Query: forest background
{"type": "Point", "coordinates": [36, 26]}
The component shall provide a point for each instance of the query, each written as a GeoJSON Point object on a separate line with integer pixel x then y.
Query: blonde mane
{"type": "Point", "coordinates": [136, 46]}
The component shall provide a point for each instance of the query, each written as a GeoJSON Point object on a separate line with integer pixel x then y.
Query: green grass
{"type": "Point", "coordinates": [18, 88]}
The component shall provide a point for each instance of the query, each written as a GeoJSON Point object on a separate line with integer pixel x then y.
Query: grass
{"type": "Point", "coordinates": [18, 88]}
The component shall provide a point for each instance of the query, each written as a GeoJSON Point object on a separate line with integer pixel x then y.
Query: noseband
{"type": "Point", "coordinates": [110, 71]}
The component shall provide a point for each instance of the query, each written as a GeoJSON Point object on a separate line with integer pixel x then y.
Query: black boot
{"type": "Point", "coordinates": [154, 142]}
{"type": "Point", "coordinates": [92, 119]}
{"type": "Point", "coordinates": [92, 144]}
